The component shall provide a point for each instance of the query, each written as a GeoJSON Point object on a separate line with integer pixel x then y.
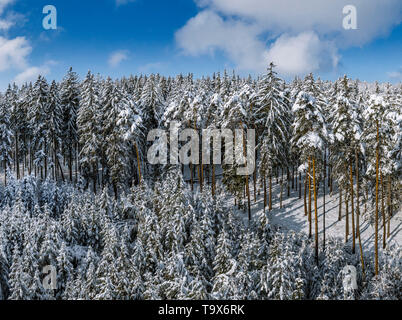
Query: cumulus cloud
{"type": "Point", "coordinates": [302, 54]}
{"type": "Point", "coordinates": [249, 32]}
{"type": "Point", "coordinates": [4, 3]}
{"type": "Point", "coordinates": [117, 57]}
{"type": "Point", "coordinates": [14, 53]}
{"type": "Point", "coordinates": [9, 20]}
{"type": "Point", "coordinates": [31, 74]}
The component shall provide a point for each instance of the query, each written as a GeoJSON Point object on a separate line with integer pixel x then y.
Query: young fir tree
{"type": "Point", "coordinates": [6, 136]}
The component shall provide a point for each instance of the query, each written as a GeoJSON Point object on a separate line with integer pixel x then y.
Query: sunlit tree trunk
{"type": "Point", "coordinates": [353, 210]}
{"type": "Point", "coordinates": [315, 212]}
{"type": "Point", "coordinates": [384, 222]}
{"type": "Point", "coordinates": [389, 204]}
{"type": "Point", "coordinates": [358, 209]}
{"type": "Point", "coordinates": [346, 216]}
{"type": "Point", "coordinates": [309, 199]}
{"type": "Point", "coordinates": [376, 202]}
{"type": "Point", "coordinates": [340, 204]}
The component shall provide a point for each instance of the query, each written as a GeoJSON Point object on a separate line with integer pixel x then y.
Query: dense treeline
{"type": "Point", "coordinates": [166, 242]}
{"type": "Point", "coordinates": [311, 134]}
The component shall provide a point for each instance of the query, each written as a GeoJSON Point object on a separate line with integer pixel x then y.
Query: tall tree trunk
{"type": "Point", "coordinates": [384, 222]}
{"type": "Point", "coordinates": [315, 212]}
{"type": "Point", "coordinates": [340, 204]}
{"type": "Point", "coordinates": [310, 233]}
{"type": "Point", "coordinates": [265, 192]}
{"type": "Point", "coordinates": [270, 191]}
{"type": "Point", "coordinates": [45, 151]}
{"type": "Point", "coordinates": [288, 179]}
{"type": "Point", "coordinates": [389, 205]}
{"type": "Point", "coordinates": [358, 209]}
{"type": "Point", "coordinates": [323, 186]}
{"type": "Point", "coordinates": [17, 160]}
{"type": "Point", "coordinates": [300, 185]}
{"type": "Point", "coordinates": [293, 178]}
{"type": "Point", "coordinates": [346, 216]}
{"type": "Point", "coordinates": [255, 185]}
{"type": "Point", "coordinates": [70, 163]}
{"type": "Point", "coordinates": [353, 209]}
{"type": "Point", "coordinates": [137, 153]}
{"type": "Point", "coordinates": [5, 172]}
{"type": "Point", "coordinates": [305, 195]}
{"type": "Point", "coordinates": [247, 178]}
{"type": "Point", "coordinates": [376, 202]}
{"type": "Point", "coordinates": [213, 180]}
{"type": "Point", "coordinates": [191, 177]}
{"type": "Point", "coordinates": [95, 174]}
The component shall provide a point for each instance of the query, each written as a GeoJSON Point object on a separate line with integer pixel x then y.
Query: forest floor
{"type": "Point", "coordinates": [292, 216]}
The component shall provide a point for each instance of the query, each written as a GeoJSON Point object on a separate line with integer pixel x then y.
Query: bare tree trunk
{"type": "Point", "coordinates": [70, 163]}
{"type": "Point", "coordinates": [352, 206]}
{"type": "Point", "coordinates": [265, 192]}
{"type": "Point", "coordinates": [316, 212]}
{"type": "Point", "coordinates": [376, 203]}
{"type": "Point", "coordinates": [323, 186]}
{"type": "Point", "coordinates": [95, 174]}
{"type": "Point", "coordinates": [358, 209]}
{"type": "Point", "coordinates": [213, 180]}
{"type": "Point", "coordinates": [384, 222]}
{"type": "Point", "coordinates": [17, 160]}
{"type": "Point", "coordinates": [138, 163]}
{"type": "Point", "coordinates": [340, 204]}
{"type": "Point", "coordinates": [309, 199]}
{"type": "Point", "coordinates": [45, 151]}
{"type": "Point", "coordinates": [270, 191]}
{"type": "Point", "coordinates": [191, 177]}
{"type": "Point", "coordinates": [305, 196]}
{"type": "Point", "coordinates": [5, 172]}
{"type": "Point", "coordinates": [300, 185]}
{"type": "Point", "coordinates": [255, 185]}
{"type": "Point", "coordinates": [389, 206]}
{"type": "Point", "coordinates": [293, 178]}
{"type": "Point", "coordinates": [346, 216]}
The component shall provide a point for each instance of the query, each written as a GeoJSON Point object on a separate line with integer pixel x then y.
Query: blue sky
{"type": "Point", "coordinates": [123, 37]}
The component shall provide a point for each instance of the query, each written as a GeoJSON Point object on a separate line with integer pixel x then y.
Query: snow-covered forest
{"type": "Point", "coordinates": [78, 193]}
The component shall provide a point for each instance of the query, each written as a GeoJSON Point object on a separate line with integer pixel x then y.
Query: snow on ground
{"type": "Point", "coordinates": [292, 217]}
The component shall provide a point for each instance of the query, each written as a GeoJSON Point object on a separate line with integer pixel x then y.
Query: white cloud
{"type": "Point", "coordinates": [8, 22]}
{"type": "Point", "coordinates": [302, 54]}
{"type": "Point", "coordinates": [244, 29]}
{"type": "Point", "coordinates": [31, 74]}
{"type": "Point", "coordinates": [4, 3]}
{"type": "Point", "coordinates": [117, 57]}
{"type": "Point", "coordinates": [14, 53]}
{"type": "Point", "coordinates": [208, 32]}
{"type": "Point", "coordinates": [396, 75]}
